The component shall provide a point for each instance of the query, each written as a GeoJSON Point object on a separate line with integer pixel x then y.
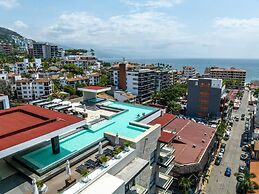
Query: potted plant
{"type": "Point", "coordinates": [41, 186]}
{"type": "Point", "coordinates": [84, 173]}
{"type": "Point", "coordinates": [126, 144]}
{"type": "Point", "coordinates": [104, 159]}
{"type": "Point", "coordinates": [116, 151]}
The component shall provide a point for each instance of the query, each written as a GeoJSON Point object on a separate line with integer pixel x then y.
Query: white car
{"type": "Point", "coordinates": [220, 155]}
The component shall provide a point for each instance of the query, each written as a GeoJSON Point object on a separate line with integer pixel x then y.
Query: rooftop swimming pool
{"type": "Point", "coordinates": [42, 158]}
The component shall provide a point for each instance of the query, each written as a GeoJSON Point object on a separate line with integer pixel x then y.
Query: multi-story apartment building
{"type": "Point", "coordinates": [80, 60]}
{"type": "Point", "coordinates": [204, 97]}
{"type": "Point", "coordinates": [6, 47]}
{"type": "Point", "coordinates": [189, 72]}
{"type": "Point", "coordinates": [45, 50]}
{"type": "Point", "coordinates": [20, 68]}
{"type": "Point", "coordinates": [141, 82]}
{"type": "Point", "coordinates": [234, 77]}
{"type": "Point", "coordinates": [163, 78]}
{"type": "Point", "coordinates": [94, 78]}
{"type": "Point", "coordinates": [32, 89]}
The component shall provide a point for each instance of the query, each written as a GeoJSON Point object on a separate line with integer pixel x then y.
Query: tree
{"type": "Point", "coordinates": [104, 80]}
{"type": "Point", "coordinates": [72, 68]}
{"type": "Point", "coordinates": [256, 93]}
{"type": "Point", "coordinates": [221, 129]}
{"type": "Point", "coordinates": [247, 184]}
{"type": "Point", "coordinates": [185, 185]}
{"type": "Point", "coordinates": [173, 107]}
{"type": "Point", "coordinates": [92, 52]}
{"type": "Point", "coordinates": [70, 89]}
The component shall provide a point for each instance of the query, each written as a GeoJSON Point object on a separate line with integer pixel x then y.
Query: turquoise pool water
{"type": "Point", "coordinates": [43, 157]}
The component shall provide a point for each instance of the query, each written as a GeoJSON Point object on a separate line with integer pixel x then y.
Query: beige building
{"type": "Point", "coordinates": [235, 76]}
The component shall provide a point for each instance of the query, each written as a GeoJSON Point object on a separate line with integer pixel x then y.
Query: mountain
{"type": "Point", "coordinates": [6, 35]}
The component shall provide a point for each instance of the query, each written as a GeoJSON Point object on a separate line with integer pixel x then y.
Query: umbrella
{"type": "Point", "coordinates": [34, 186]}
{"type": "Point", "coordinates": [68, 169]}
{"type": "Point", "coordinates": [84, 108]}
{"type": "Point", "coordinates": [100, 148]}
{"type": "Point", "coordinates": [117, 141]}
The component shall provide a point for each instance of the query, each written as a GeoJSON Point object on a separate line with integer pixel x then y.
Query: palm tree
{"type": "Point", "coordinates": [92, 52]}
{"type": "Point", "coordinates": [247, 184]}
{"type": "Point", "coordinates": [185, 185]}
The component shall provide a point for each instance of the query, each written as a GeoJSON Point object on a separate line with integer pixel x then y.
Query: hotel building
{"type": "Point", "coordinates": [204, 97]}
{"type": "Point", "coordinates": [46, 139]}
{"type": "Point", "coordinates": [236, 76]}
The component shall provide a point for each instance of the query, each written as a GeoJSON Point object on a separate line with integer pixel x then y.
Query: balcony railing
{"type": "Point", "coordinates": [166, 156]}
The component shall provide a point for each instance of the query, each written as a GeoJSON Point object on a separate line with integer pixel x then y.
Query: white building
{"type": "Point", "coordinates": [3, 74]}
{"type": "Point", "coordinates": [4, 102]}
{"type": "Point", "coordinates": [20, 68]}
{"type": "Point", "coordinates": [122, 96]}
{"type": "Point", "coordinates": [33, 89]}
{"type": "Point", "coordinates": [189, 72]}
{"type": "Point", "coordinates": [94, 78]}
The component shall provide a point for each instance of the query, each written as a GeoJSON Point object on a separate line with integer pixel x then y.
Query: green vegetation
{"type": "Point", "coordinates": [70, 89]}
{"type": "Point", "coordinates": [5, 88]}
{"type": "Point", "coordinates": [185, 185]}
{"type": "Point", "coordinates": [170, 96]}
{"type": "Point", "coordinates": [104, 80]}
{"type": "Point", "coordinates": [256, 93]}
{"type": "Point", "coordinates": [103, 159]}
{"type": "Point", "coordinates": [39, 183]}
{"type": "Point", "coordinates": [221, 129]}
{"type": "Point", "coordinates": [117, 150]}
{"type": "Point", "coordinates": [229, 83]}
{"type": "Point", "coordinates": [72, 68]}
{"type": "Point", "coordinates": [127, 144]}
{"type": "Point", "coordinates": [85, 172]}
{"type": "Point", "coordinates": [247, 184]}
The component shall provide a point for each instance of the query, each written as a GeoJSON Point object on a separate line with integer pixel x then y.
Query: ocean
{"type": "Point", "coordinates": [250, 65]}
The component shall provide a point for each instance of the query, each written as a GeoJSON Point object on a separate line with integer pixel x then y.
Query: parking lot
{"type": "Point", "coordinates": [218, 182]}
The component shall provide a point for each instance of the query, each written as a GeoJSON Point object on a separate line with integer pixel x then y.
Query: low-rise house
{"type": "Point", "coordinates": [74, 81]}
{"type": "Point", "coordinates": [4, 102]}
{"type": "Point", "coordinates": [3, 74]}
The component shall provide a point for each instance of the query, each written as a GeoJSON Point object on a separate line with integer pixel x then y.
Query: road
{"type": "Point", "coordinates": [218, 183]}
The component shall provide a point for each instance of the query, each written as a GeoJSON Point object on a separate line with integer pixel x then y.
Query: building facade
{"type": "Point", "coordinates": [189, 72]}
{"type": "Point", "coordinates": [32, 89]}
{"type": "Point", "coordinates": [204, 97]}
{"type": "Point", "coordinates": [234, 78]}
{"type": "Point", "coordinates": [45, 50]}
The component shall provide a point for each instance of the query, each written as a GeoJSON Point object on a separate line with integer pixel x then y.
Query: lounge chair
{"type": "Point", "coordinates": [90, 163]}
{"type": "Point", "coordinates": [80, 168]}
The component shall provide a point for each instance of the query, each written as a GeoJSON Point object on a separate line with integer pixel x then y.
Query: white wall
{"type": "Point", "coordinates": [5, 101]}
{"type": "Point", "coordinates": [131, 84]}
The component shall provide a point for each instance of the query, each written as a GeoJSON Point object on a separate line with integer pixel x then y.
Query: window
{"type": "Point", "coordinates": [24, 88]}
{"type": "Point", "coordinates": [153, 181]}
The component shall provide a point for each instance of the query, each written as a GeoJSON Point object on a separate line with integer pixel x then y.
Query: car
{"type": "Point", "coordinates": [241, 168]}
{"type": "Point", "coordinates": [223, 145]}
{"type": "Point", "coordinates": [228, 172]}
{"type": "Point", "coordinates": [245, 148]}
{"type": "Point", "coordinates": [247, 119]}
{"type": "Point", "coordinates": [222, 150]}
{"type": "Point", "coordinates": [240, 177]}
{"type": "Point", "coordinates": [220, 155]}
{"type": "Point", "coordinates": [243, 115]}
{"type": "Point", "coordinates": [236, 119]}
{"type": "Point", "coordinates": [218, 161]}
{"type": "Point", "coordinates": [243, 156]}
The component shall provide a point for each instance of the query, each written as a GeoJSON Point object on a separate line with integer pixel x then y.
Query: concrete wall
{"type": "Point", "coordinates": [151, 117]}
{"type": "Point", "coordinates": [5, 101]}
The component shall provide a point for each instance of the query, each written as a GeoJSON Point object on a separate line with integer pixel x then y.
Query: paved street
{"type": "Point", "coordinates": [218, 183]}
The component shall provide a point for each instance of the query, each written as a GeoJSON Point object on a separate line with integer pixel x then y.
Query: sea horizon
{"type": "Point", "coordinates": [251, 65]}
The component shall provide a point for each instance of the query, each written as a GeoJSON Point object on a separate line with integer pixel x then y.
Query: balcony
{"type": "Point", "coordinates": [166, 156]}
{"type": "Point", "coordinates": [164, 181]}
{"type": "Point", "coordinates": [137, 189]}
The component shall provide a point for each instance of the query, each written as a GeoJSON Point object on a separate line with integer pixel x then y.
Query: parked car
{"type": "Point", "coordinates": [223, 145]}
{"type": "Point", "coordinates": [240, 177]}
{"type": "Point", "coordinates": [244, 156]}
{"type": "Point", "coordinates": [228, 172]}
{"type": "Point", "coordinates": [236, 119]}
{"type": "Point", "coordinates": [245, 148]}
{"type": "Point", "coordinates": [218, 161]}
{"type": "Point", "coordinates": [241, 168]}
{"type": "Point", "coordinates": [220, 155]}
{"type": "Point", "coordinates": [222, 150]}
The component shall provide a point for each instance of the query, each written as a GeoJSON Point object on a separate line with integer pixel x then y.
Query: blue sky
{"type": "Point", "coordinates": [141, 28]}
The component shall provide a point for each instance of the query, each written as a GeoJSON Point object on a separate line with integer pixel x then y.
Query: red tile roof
{"type": "Point", "coordinates": [163, 120]}
{"type": "Point", "coordinates": [166, 137]}
{"type": "Point", "coordinates": [24, 123]}
{"type": "Point", "coordinates": [94, 87]}
{"type": "Point", "coordinates": [189, 139]}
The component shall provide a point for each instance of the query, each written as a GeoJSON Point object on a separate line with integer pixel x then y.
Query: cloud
{"type": "Point", "coordinates": [152, 3]}
{"type": "Point", "coordinates": [20, 24]}
{"type": "Point", "coordinates": [8, 4]}
{"type": "Point", "coordinates": [137, 33]}
{"type": "Point", "coordinates": [236, 23]}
